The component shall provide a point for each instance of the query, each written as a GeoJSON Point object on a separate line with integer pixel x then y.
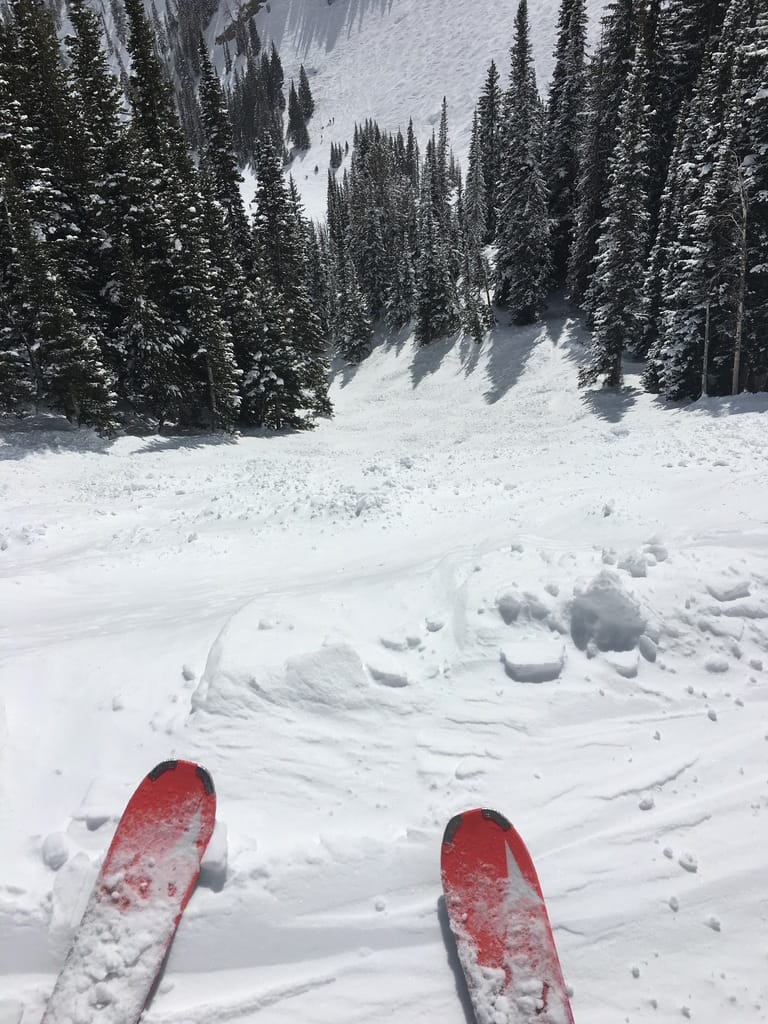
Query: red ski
{"type": "Point", "coordinates": [144, 885]}
{"type": "Point", "coordinates": [500, 923]}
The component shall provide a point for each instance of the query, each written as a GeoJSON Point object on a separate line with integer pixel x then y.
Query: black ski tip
{"type": "Point", "coordinates": [451, 829]}
{"type": "Point", "coordinates": [161, 769]}
{"type": "Point", "coordinates": [207, 781]}
{"type": "Point", "coordinates": [497, 818]}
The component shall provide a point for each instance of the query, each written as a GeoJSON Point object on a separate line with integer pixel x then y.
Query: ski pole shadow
{"type": "Point", "coordinates": [454, 963]}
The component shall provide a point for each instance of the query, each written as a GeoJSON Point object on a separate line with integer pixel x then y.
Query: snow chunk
{"type": "Point", "coordinates": [688, 863]}
{"type": "Point", "coordinates": [725, 592]}
{"type": "Point", "coordinates": [55, 850]}
{"type": "Point", "coordinates": [213, 869]}
{"type": "Point", "coordinates": [647, 647]}
{"type": "Point", "coordinates": [509, 605]}
{"type": "Point", "coordinates": [606, 614]}
{"type": "Point", "coordinates": [533, 661]}
{"type": "Point", "coordinates": [635, 563]}
{"type": "Point", "coordinates": [386, 672]}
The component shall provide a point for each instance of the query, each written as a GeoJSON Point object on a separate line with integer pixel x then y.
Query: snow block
{"type": "Point", "coordinates": [533, 661]}
{"type": "Point", "coordinates": [605, 614]}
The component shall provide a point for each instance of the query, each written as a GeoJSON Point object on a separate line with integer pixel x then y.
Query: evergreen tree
{"type": "Point", "coordinates": [355, 328]}
{"type": "Point", "coordinates": [306, 101]}
{"type": "Point", "coordinates": [711, 313]}
{"type": "Point", "coordinates": [489, 127]}
{"type": "Point", "coordinates": [606, 79]}
{"type": "Point", "coordinates": [217, 156]}
{"type": "Point", "coordinates": [298, 136]}
{"type": "Point", "coordinates": [300, 359]}
{"type": "Point", "coordinates": [563, 124]}
{"type": "Point", "coordinates": [523, 230]}
{"type": "Point", "coordinates": [435, 303]}
{"type": "Point", "coordinates": [616, 294]}
{"type": "Point", "coordinates": [475, 201]}
{"type": "Point", "coordinates": [154, 116]}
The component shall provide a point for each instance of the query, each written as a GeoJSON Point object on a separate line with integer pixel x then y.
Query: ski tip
{"type": "Point", "coordinates": [161, 769]}
{"type": "Point", "coordinates": [497, 819]}
{"type": "Point", "coordinates": [450, 829]}
{"type": "Point", "coordinates": [480, 812]}
{"type": "Point", "coordinates": [168, 766]}
{"type": "Point", "coordinates": [205, 777]}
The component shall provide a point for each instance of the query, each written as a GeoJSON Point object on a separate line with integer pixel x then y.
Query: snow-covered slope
{"type": "Point", "coordinates": [395, 59]}
{"type": "Point", "coordinates": [347, 628]}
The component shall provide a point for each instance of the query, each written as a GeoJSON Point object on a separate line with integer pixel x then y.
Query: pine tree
{"type": "Point", "coordinates": [298, 136]}
{"type": "Point", "coordinates": [355, 329]}
{"type": "Point", "coordinates": [154, 115]}
{"type": "Point", "coordinates": [299, 360]}
{"type": "Point", "coordinates": [616, 293]}
{"type": "Point", "coordinates": [606, 78]}
{"type": "Point", "coordinates": [563, 124]}
{"type": "Point", "coordinates": [708, 309]}
{"type": "Point", "coordinates": [475, 201]}
{"type": "Point", "coordinates": [523, 230]}
{"type": "Point", "coordinates": [754, 94]}
{"type": "Point", "coordinates": [435, 310]}
{"type": "Point", "coordinates": [489, 117]}
{"type": "Point", "coordinates": [306, 101]}
{"type": "Point", "coordinates": [218, 157]}
{"type": "Point", "coordinates": [98, 127]}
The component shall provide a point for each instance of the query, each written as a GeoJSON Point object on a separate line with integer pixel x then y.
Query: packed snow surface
{"type": "Point", "coordinates": [476, 586]}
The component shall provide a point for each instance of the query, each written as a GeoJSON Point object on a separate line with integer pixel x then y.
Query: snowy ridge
{"type": "Point", "coordinates": [328, 621]}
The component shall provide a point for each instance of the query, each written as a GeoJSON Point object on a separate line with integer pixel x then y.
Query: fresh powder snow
{"type": "Point", "coordinates": [475, 586]}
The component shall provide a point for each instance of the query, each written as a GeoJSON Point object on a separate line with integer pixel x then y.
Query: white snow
{"type": "Point", "coordinates": [294, 650]}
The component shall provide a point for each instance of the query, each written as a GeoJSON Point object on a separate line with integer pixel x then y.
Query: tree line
{"type": "Point", "coordinates": [640, 188]}
{"type": "Point", "coordinates": [137, 291]}
{"type": "Point", "coordinates": [134, 289]}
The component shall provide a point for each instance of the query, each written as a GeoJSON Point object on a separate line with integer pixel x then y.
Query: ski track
{"type": "Point", "coordinates": [321, 620]}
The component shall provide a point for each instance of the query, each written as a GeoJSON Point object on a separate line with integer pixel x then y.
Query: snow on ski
{"type": "Point", "coordinates": [500, 923]}
{"type": "Point", "coordinates": [143, 887]}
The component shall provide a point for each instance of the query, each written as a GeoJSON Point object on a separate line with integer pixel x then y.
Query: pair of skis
{"type": "Point", "coordinates": [492, 895]}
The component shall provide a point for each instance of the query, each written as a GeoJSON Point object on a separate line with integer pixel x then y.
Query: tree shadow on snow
{"type": "Point", "coordinates": [319, 24]}
{"type": "Point", "coordinates": [610, 404]}
{"type": "Point", "coordinates": [178, 442]}
{"type": "Point", "coordinates": [46, 433]}
{"type": "Point", "coordinates": [454, 963]}
{"type": "Point", "coordinates": [509, 350]}
{"type": "Point", "coordinates": [717, 406]}
{"type": "Point", "coordinates": [427, 358]}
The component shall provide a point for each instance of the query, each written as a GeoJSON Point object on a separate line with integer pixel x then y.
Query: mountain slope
{"type": "Point", "coordinates": [395, 59]}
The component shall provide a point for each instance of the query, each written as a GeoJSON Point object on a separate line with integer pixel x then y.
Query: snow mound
{"type": "Point", "coordinates": [606, 615]}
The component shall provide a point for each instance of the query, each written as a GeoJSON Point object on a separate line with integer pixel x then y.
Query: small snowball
{"type": "Point", "coordinates": [188, 673]}
{"type": "Point", "coordinates": [674, 903]}
{"type": "Point", "coordinates": [688, 863]}
{"type": "Point", "coordinates": [713, 923]}
{"type": "Point", "coordinates": [712, 715]}
{"type": "Point", "coordinates": [380, 904]}
{"type": "Point", "coordinates": [647, 803]}
{"type": "Point", "coordinates": [635, 972]}
{"type": "Point", "coordinates": [55, 850]}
